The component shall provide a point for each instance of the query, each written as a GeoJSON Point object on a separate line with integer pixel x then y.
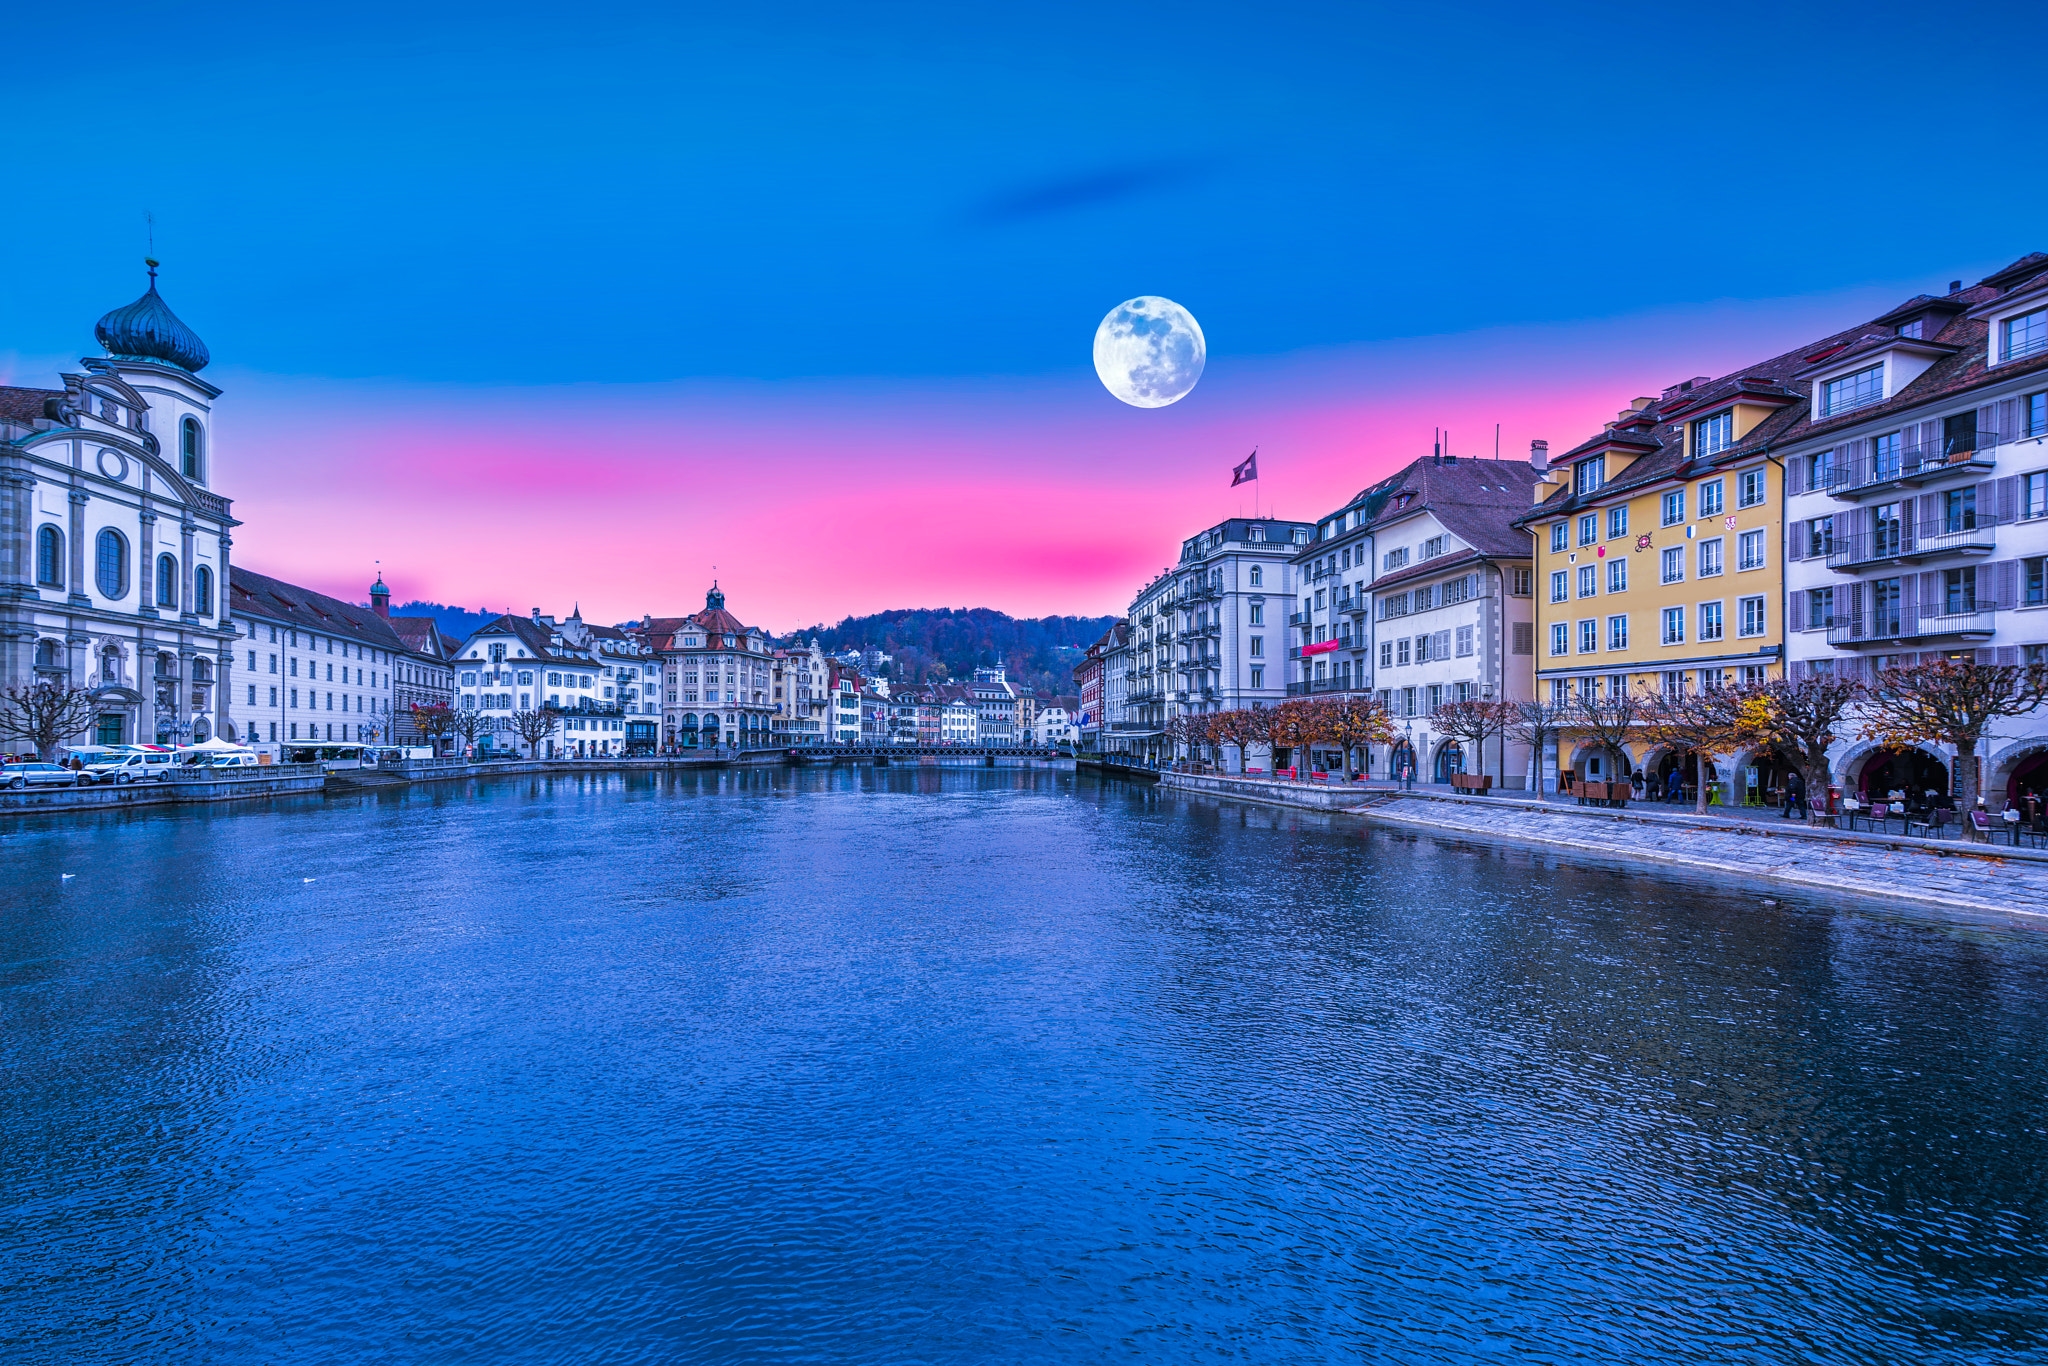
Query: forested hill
{"type": "Point", "coordinates": [933, 644]}
{"type": "Point", "coordinates": [454, 621]}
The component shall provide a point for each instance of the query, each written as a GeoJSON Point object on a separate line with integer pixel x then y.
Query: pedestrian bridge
{"type": "Point", "coordinates": [828, 752]}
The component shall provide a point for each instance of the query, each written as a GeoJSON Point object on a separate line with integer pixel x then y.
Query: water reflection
{"type": "Point", "coordinates": [966, 1064]}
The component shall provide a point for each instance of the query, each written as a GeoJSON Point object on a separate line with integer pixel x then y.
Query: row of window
{"type": "Point", "coordinates": [1749, 550]}
{"type": "Point", "coordinates": [380, 705]}
{"type": "Point", "coordinates": [110, 570]}
{"type": "Point", "coordinates": [1711, 626]}
{"type": "Point", "coordinates": [1423, 701]}
{"type": "Point", "coordinates": [1424, 649]}
{"type": "Point", "coordinates": [1710, 497]}
{"type": "Point", "coordinates": [1673, 682]}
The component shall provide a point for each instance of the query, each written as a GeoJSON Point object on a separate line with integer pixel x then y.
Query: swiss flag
{"type": "Point", "coordinates": [1245, 473]}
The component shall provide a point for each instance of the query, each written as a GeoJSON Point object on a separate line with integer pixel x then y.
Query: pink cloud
{"type": "Point", "coordinates": [814, 500]}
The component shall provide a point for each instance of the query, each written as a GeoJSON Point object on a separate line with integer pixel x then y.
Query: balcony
{"type": "Point", "coordinates": [1899, 628]}
{"type": "Point", "coordinates": [1931, 540]}
{"type": "Point", "coordinates": [1298, 619]}
{"type": "Point", "coordinates": [1914, 465]}
{"type": "Point", "coordinates": [1203, 593]}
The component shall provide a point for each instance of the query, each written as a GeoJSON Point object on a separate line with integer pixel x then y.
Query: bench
{"type": "Point", "coordinates": [1603, 794]}
{"type": "Point", "coordinates": [1480, 783]}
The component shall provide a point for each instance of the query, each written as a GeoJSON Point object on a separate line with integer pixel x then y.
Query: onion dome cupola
{"type": "Point", "coordinates": [148, 330]}
{"type": "Point", "coordinates": [714, 601]}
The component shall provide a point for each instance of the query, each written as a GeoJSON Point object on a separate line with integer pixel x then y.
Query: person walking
{"type": "Point", "coordinates": [1795, 796]}
{"type": "Point", "coordinates": [1674, 787]}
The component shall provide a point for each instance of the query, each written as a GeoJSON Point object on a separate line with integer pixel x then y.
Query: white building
{"type": "Point", "coordinates": [1055, 725]}
{"type": "Point", "coordinates": [113, 544]}
{"type": "Point", "coordinates": [800, 695]}
{"type": "Point", "coordinates": [1917, 510]}
{"type": "Point", "coordinates": [1210, 634]}
{"type": "Point", "coordinates": [996, 702]}
{"type": "Point", "coordinates": [717, 678]}
{"type": "Point", "coordinates": [514, 664]}
{"type": "Point", "coordinates": [313, 668]}
{"type": "Point", "coordinates": [1425, 586]}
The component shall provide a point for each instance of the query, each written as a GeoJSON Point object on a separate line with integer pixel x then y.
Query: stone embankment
{"type": "Point", "coordinates": [277, 780]}
{"type": "Point", "coordinates": [1951, 874]}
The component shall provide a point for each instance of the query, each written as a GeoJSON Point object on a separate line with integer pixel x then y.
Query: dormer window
{"type": "Point", "coordinates": [1712, 435]}
{"type": "Point", "coordinates": [2026, 335]}
{"type": "Point", "coordinates": [1589, 475]}
{"type": "Point", "coordinates": [1852, 391]}
{"type": "Point", "coordinates": [1915, 328]}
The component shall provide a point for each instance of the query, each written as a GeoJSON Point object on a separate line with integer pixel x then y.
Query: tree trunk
{"type": "Point", "coordinates": [1966, 779]}
{"type": "Point", "coordinates": [1699, 758]}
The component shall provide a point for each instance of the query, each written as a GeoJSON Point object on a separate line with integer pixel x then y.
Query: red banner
{"type": "Point", "coordinates": [1321, 649]}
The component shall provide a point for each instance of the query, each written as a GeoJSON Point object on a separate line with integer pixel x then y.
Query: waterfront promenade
{"type": "Point", "coordinates": [1752, 846]}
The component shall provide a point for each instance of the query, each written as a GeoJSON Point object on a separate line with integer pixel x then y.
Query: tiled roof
{"type": "Point", "coordinates": [536, 637]}
{"type": "Point", "coordinates": [423, 636]}
{"type": "Point", "coordinates": [1963, 368]}
{"type": "Point", "coordinates": [1476, 501]}
{"type": "Point", "coordinates": [258, 595]}
{"type": "Point", "coordinates": [24, 406]}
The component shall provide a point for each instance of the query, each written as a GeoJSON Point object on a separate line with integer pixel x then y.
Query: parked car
{"type": "Point", "coordinates": [243, 760]}
{"type": "Point", "coordinates": [38, 775]}
{"type": "Point", "coordinates": [127, 767]}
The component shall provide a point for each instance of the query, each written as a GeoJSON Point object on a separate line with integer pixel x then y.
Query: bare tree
{"type": "Point", "coordinates": [1474, 721]}
{"type": "Point", "coordinates": [46, 715]}
{"type": "Point", "coordinates": [1805, 719]}
{"type": "Point", "coordinates": [534, 726]}
{"type": "Point", "coordinates": [1537, 725]}
{"type": "Point", "coordinates": [1708, 721]}
{"type": "Point", "coordinates": [1950, 702]}
{"type": "Point", "coordinates": [1612, 721]}
{"type": "Point", "coordinates": [433, 721]}
{"type": "Point", "coordinates": [468, 725]}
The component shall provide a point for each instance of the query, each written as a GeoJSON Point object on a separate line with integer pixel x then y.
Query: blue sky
{"type": "Point", "coordinates": [508, 194]}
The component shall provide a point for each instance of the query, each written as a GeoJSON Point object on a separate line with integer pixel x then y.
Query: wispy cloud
{"type": "Point", "coordinates": [1087, 190]}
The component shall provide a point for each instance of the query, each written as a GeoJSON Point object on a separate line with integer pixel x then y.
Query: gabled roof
{"type": "Point", "coordinates": [537, 639]}
{"type": "Point", "coordinates": [1476, 501]}
{"type": "Point", "coordinates": [1959, 365]}
{"type": "Point", "coordinates": [423, 636]}
{"type": "Point", "coordinates": [258, 595]}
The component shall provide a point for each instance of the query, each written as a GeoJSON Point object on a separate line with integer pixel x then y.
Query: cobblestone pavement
{"type": "Point", "coordinates": [1918, 871]}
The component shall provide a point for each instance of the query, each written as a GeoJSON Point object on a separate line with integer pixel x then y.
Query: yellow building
{"type": "Point", "coordinates": [1658, 554]}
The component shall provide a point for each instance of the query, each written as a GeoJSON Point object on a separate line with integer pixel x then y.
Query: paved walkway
{"type": "Point", "coordinates": [1950, 874]}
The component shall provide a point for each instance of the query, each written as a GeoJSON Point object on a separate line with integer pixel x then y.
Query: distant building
{"type": "Point", "coordinates": [319, 669]}
{"type": "Point", "coordinates": [513, 664]}
{"type": "Point", "coordinates": [717, 677]}
{"type": "Point", "coordinates": [423, 672]}
{"type": "Point", "coordinates": [995, 705]}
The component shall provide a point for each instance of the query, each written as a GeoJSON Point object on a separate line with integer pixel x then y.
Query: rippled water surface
{"type": "Point", "coordinates": [963, 1066]}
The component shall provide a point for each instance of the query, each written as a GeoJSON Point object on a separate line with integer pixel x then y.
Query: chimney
{"type": "Point", "coordinates": [1539, 455]}
{"type": "Point", "coordinates": [1955, 286]}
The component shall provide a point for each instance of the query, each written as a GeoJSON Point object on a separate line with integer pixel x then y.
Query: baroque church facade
{"type": "Point", "coordinates": [114, 547]}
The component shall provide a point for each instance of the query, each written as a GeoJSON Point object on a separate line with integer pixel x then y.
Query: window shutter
{"type": "Point", "coordinates": [2006, 498]}
{"type": "Point", "coordinates": [1796, 670]}
{"type": "Point", "coordinates": [1794, 477]}
{"type": "Point", "coordinates": [1856, 603]}
{"type": "Point", "coordinates": [1930, 604]}
{"type": "Point", "coordinates": [1987, 421]}
{"type": "Point", "coordinates": [2007, 424]}
{"type": "Point", "coordinates": [2005, 583]}
{"type": "Point", "coordinates": [2008, 654]}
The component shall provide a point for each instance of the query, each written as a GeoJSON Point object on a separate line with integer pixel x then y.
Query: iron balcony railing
{"type": "Point", "coordinates": [1889, 628]}
{"type": "Point", "coordinates": [1914, 463]}
{"type": "Point", "coordinates": [1298, 619]}
{"type": "Point", "coordinates": [1907, 543]}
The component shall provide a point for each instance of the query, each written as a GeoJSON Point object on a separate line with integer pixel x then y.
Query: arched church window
{"type": "Point", "coordinates": [47, 656]}
{"type": "Point", "coordinates": [50, 557]}
{"type": "Point", "coordinates": [166, 581]}
{"type": "Point", "coordinates": [110, 564]}
{"type": "Point", "coordinates": [202, 671]}
{"type": "Point", "coordinates": [191, 447]}
{"type": "Point", "coordinates": [202, 591]}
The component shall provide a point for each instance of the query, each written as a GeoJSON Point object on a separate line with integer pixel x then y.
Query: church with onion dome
{"type": "Point", "coordinates": [113, 542]}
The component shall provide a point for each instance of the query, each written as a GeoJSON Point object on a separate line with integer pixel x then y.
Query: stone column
{"type": "Point", "coordinates": [187, 653]}
{"type": "Point", "coordinates": [223, 704]}
{"type": "Point", "coordinates": [17, 535]}
{"type": "Point", "coordinates": [145, 566]}
{"type": "Point", "coordinates": [79, 498]}
{"type": "Point", "coordinates": [186, 531]}
{"type": "Point", "coordinates": [145, 687]}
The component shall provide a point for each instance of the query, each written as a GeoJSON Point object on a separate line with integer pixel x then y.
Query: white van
{"type": "Point", "coordinates": [227, 759]}
{"type": "Point", "coordinates": [125, 766]}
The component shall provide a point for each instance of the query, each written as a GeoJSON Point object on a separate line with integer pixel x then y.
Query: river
{"type": "Point", "coordinates": [962, 1065]}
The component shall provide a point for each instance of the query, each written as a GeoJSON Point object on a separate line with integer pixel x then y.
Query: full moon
{"type": "Point", "coordinates": [1149, 351]}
